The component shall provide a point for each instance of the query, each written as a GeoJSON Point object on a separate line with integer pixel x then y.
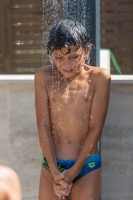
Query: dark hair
{"type": "Point", "coordinates": [67, 33]}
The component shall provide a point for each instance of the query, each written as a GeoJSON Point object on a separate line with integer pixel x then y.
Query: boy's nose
{"type": "Point", "coordinates": [67, 64]}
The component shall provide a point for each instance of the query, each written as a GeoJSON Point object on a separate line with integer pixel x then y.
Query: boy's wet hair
{"type": "Point", "coordinates": [67, 33]}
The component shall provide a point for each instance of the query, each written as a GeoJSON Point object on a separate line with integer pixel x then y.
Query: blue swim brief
{"type": "Point", "coordinates": [92, 163]}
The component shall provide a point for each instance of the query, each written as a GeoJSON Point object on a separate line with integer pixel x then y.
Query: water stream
{"type": "Point", "coordinates": [53, 11]}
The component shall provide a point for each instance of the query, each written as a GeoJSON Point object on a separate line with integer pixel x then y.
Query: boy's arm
{"type": "Point", "coordinates": [98, 114]}
{"type": "Point", "coordinates": [43, 120]}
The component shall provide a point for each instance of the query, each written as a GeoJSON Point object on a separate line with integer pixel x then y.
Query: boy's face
{"type": "Point", "coordinates": [69, 62]}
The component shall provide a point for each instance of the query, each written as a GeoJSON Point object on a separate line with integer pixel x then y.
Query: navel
{"type": "Point", "coordinates": [69, 142]}
{"type": "Point", "coordinates": [86, 99]}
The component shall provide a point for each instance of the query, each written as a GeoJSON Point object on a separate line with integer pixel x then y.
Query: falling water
{"type": "Point", "coordinates": [52, 12]}
{"type": "Point", "coordinates": [73, 10]}
{"type": "Point", "coordinates": [43, 32]}
{"type": "Point", "coordinates": [81, 11]}
{"type": "Point", "coordinates": [49, 16]}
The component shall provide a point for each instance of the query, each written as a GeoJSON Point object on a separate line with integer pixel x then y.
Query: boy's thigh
{"type": "Point", "coordinates": [87, 187]}
{"type": "Point", "coordinates": [46, 191]}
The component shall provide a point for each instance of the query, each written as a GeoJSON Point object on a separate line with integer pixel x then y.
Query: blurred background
{"type": "Point", "coordinates": [24, 28]}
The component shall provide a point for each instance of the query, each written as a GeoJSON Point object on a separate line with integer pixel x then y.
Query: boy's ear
{"type": "Point", "coordinates": [88, 49]}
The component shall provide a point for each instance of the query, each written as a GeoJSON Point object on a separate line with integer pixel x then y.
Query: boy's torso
{"type": "Point", "coordinates": [70, 104]}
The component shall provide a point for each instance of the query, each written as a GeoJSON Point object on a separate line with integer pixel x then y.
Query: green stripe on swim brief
{"type": "Point", "coordinates": [45, 165]}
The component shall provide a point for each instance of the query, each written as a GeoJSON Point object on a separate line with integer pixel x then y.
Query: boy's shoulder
{"type": "Point", "coordinates": [99, 73]}
{"type": "Point", "coordinates": [44, 71]}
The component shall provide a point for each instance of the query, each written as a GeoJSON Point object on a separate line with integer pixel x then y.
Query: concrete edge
{"type": "Point", "coordinates": [30, 78]}
{"type": "Point", "coordinates": [16, 78]}
{"type": "Point", "coordinates": [128, 79]}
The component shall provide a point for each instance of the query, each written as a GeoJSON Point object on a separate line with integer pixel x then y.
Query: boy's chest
{"type": "Point", "coordinates": [75, 94]}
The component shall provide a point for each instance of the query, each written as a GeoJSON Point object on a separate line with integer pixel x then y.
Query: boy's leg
{"type": "Point", "coordinates": [46, 191]}
{"type": "Point", "coordinates": [87, 187]}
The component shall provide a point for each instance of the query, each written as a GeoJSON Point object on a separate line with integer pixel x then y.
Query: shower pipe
{"type": "Point", "coordinates": [114, 61]}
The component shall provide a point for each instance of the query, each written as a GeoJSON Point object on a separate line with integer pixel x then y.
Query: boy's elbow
{"type": "Point", "coordinates": [96, 130]}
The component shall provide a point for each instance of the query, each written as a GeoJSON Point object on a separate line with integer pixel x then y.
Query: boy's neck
{"type": "Point", "coordinates": [68, 79]}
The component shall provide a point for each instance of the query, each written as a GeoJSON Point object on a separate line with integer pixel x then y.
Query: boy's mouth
{"type": "Point", "coordinates": [68, 71]}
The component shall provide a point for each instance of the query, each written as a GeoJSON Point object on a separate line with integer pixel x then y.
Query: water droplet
{"type": "Point", "coordinates": [59, 110]}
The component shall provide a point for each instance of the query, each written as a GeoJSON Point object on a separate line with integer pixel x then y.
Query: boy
{"type": "Point", "coordinates": [71, 105]}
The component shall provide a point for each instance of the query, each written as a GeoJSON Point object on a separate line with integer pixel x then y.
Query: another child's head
{"type": "Point", "coordinates": [68, 46]}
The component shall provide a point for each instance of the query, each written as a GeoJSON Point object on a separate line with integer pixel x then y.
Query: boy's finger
{"type": "Point", "coordinates": [61, 192]}
{"type": "Point", "coordinates": [58, 187]}
{"type": "Point", "coordinates": [58, 194]}
{"type": "Point", "coordinates": [70, 187]}
{"type": "Point", "coordinates": [58, 177]}
{"type": "Point", "coordinates": [69, 190]}
{"type": "Point", "coordinates": [63, 183]}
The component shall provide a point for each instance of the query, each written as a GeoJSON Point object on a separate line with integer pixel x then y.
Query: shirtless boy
{"type": "Point", "coordinates": [71, 105]}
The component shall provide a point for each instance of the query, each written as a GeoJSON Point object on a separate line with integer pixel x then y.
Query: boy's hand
{"type": "Point", "coordinates": [63, 183]}
{"type": "Point", "coordinates": [60, 190]}
{"type": "Point", "coordinates": [65, 175]}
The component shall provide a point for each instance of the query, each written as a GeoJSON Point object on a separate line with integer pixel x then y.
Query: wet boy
{"type": "Point", "coordinates": [71, 105]}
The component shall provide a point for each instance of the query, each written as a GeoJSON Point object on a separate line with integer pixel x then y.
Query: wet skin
{"type": "Point", "coordinates": [71, 105]}
{"type": "Point", "coordinates": [70, 98]}
{"type": "Point", "coordinates": [10, 188]}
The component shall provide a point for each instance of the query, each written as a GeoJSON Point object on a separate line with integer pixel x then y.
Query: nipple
{"type": "Point", "coordinates": [53, 99]}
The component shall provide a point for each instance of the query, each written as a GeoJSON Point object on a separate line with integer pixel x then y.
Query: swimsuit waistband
{"type": "Point", "coordinates": [73, 160]}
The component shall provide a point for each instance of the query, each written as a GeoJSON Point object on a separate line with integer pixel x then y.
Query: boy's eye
{"type": "Point", "coordinates": [59, 58]}
{"type": "Point", "coordinates": [74, 57]}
